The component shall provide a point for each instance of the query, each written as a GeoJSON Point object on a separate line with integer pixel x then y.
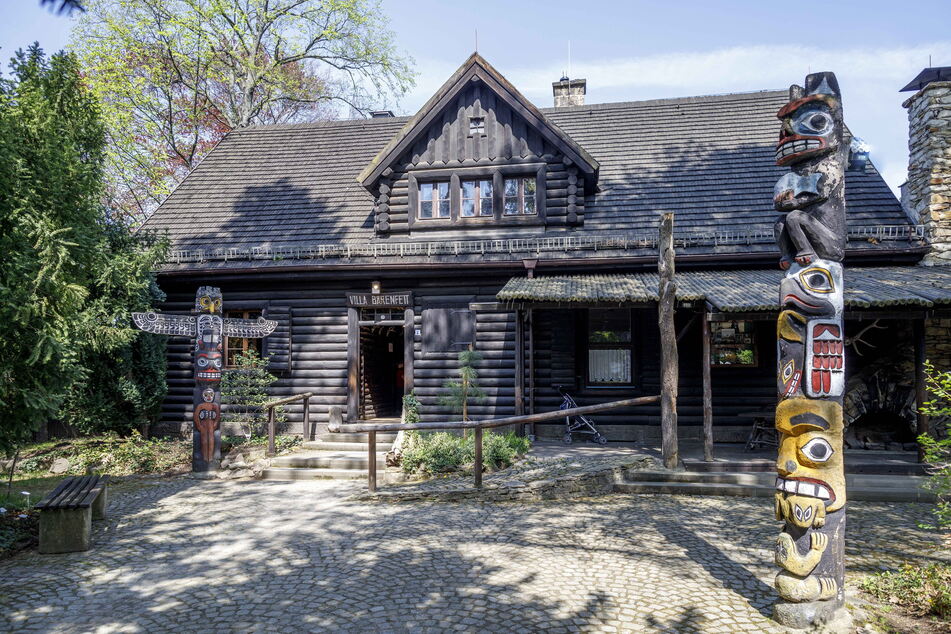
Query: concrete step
{"type": "Point", "coordinates": [757, 465]}
{"type": "Point", "coordinates": [323, 445]}
{"type": "Point", "coordinates": [346, 437]}
{"type": "Point", "coordinates": [357, 460]}
{"type": "Point", "coordinates": [853, 480]}
{"type": "Point", "coordinates": [280, 473]}
{"type": "Point", "coordinates": [868, 494]}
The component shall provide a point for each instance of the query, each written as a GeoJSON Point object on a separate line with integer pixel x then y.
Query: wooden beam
{"type": "Point", "coordinates": [921, 391]}
{"type": "Point", "coordinates": [353, 363]}
{"type": "Point", "coordinates": [707, 394]}
{"type": "Point", "coordinates": [667, 292]}
{"type": "Point", "coordinates": [520, 363]}
{"type": "Point", "coordinates": [531, 364]}
{"type": "Point", "coordinates": [409, 353]}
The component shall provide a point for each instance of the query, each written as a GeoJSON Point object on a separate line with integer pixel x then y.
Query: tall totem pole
{"type": "Point", "coordinates": [209, 330]}
{"type": "Point", "coordinates": [811, 234]}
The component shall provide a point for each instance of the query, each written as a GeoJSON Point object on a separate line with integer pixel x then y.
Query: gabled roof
{"type": "Point", "coordinates": [476, 67]}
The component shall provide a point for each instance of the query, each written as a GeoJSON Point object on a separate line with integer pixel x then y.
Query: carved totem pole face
{"type": "Point", "coordinates": [810, 487]}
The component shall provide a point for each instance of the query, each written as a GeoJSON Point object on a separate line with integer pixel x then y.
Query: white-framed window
{"type": "Point", "coordinates": [519, 196]}
{"type": "Point", "coordinates": [476, 199]}
{"type": "Point", "coordinates": [434, 200]}
{"type": "Point", "coordinates": [609, 342]}
{"type": "Point", "coordinates": [476, 125]}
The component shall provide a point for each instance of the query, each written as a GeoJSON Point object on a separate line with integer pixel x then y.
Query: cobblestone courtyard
{"type": "Point", "coordinates": [188, 555]}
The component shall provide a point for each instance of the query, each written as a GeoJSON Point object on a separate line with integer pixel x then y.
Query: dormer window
{"type": "Point", "coordinates": [476, 125]}
{"type": "Point", "coordinates": [477, 199]}
{"type": "Point", "coordinates": [519, 197]}
{"type": "Point", "coordinates": [434, 200]}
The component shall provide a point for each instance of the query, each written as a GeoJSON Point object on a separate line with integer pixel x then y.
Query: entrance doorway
{"type": "Point", "coordinates": [381, 371]}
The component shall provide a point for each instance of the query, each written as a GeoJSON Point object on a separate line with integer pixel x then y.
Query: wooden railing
{"type": "Point", "coordinates": [306, 428]}
{"type": "Point", "coordinates": [337, 425]}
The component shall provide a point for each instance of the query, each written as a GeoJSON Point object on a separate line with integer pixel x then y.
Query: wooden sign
{"type": "Point", "coordinates": [401, 299]}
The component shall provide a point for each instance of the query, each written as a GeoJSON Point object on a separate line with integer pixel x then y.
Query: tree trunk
{"type": "Point", "coordinates": [668, 342]}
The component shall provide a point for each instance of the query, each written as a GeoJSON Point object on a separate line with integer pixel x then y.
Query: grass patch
{"type": "Point", "coordinates": [918, 590]}
{"type": "Point", "coordinates": [445, 452]}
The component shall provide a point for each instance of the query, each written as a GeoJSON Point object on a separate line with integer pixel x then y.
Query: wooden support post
{"type": "Point", "coordinates": [409, 353]}
{"type": "Point", "coordinates": [371, 463]}
{"type": "Point", "coordinates": [477, 464]}
{"type": "Point", "coordinates": [306, 431]}
{"type": "Point", "coordinates": [707, 391]}
{"type": "Point", "coordinates": [271, 449]}
{"type": "Point", "coordinates": [520, 365]}
{"type": "Point", "coordinates": [668, 342]}
{"type": "Point", "coordinates": [530, 326]}
{"type": "Point", "coordinates": [353, 363]}
{"type": "Point", "coordinates": [921, 392]}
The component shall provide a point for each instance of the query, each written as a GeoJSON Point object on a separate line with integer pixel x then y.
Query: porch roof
{"type": "Point", "coordinates": [736, 291]}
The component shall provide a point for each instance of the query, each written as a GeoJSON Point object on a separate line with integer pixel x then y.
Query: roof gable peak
{"type": "Point", "coordinates": [475, 68]}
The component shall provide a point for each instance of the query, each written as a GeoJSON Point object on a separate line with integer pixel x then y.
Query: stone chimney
{"type": "Point", "coordinates": [569, 92]}
{"type": "Point", "coordinates": [927, 194]}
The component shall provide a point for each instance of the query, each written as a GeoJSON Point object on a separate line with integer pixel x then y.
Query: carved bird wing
{"type": "Point", "coordinates": [175, 325]}
{"type": "Point", "coordinates": [249, 328]}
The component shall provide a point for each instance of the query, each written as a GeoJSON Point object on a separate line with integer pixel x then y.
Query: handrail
{"type": "Point", "coordinates": [271, 424]}
{"type": "Point", "coordinates": [336, 425]}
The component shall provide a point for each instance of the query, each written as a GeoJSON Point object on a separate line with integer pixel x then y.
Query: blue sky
{"type": "Point", "coordinates": [647, 50]}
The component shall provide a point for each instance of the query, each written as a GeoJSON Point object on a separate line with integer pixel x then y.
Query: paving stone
{"type": "Point", "coordinates": [190, 555]}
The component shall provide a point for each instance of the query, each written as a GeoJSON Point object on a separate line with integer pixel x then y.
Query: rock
{"type": "Point", "coordinates": [226, 462]}
{"type": "Point", "coordinates": [242, 473]}
{"type": "Point", "coordinates": [260, 465]}
{"type": "Point", "coordinates": [59, 466]}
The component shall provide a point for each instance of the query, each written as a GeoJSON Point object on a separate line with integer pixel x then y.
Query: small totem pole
{"type": "Point", "coordinates": [209, 330]}
{"type": "Point", "coordinates": [811, 234]}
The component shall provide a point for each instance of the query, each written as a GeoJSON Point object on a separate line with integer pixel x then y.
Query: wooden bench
{"type": "Point", "coordinates": [67, 512]}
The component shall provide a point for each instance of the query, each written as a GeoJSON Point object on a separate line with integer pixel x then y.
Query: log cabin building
{"type": "Point", "coordinates": [384, 246]}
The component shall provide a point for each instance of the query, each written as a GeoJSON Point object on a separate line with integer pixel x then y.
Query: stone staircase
{"type": "Point", "coordinates": [331, 456]}
{"type": "Point", "coordinates": [860, 486]}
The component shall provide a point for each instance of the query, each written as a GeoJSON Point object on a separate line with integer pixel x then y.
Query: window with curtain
{"type": "Point", "coordinates": [609, 347]}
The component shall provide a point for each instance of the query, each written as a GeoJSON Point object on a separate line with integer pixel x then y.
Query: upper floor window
{"type": "Point", "coordinates": [434, 200]}
{"type": "Point", "coordinates": [476, 125]}
{"type": "Point", "coordinates": [477, 199]}
{"type": "Point", "coordinates": [519, 196]}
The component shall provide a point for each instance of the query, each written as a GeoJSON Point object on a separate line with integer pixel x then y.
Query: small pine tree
{"type": "Point", "coordinates": [466, 388]}
{"type": "Point", "coordinates": [244, 389]}
{"type": "Point", "coordinates": [937, 445]}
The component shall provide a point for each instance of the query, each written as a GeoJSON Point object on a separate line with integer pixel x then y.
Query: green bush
{"type": "Point", "coordinates": [112, 454]}
{"type": "Point", "coordinates": [281, 443]}
{"type": "Point", "coordinates": [410, 408]}
{"type": "Point", "coordinates": [937, 445]}
{"type": "Point", "coordinates": [444, 452]}
{"type": "Point", "coordinates": [919, 590]}
{"type": "Point", "coordinates": [244, 392]}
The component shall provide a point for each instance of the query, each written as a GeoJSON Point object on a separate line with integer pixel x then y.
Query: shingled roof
{"type": "Point", "coordinates": [291, 191]}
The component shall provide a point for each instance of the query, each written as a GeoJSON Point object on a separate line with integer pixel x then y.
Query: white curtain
{"type": "Point", "coordinates": [609, 366]}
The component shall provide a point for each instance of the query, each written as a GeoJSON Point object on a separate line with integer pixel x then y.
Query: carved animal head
{"type": "Point", "coordinates": [811, 290]}
{"type": "Point", "coordinates": [208, 300]}
{"type": "Point", "coordinates": [811, 473]}
{"type": "Point", "coordinates": [812, 120]}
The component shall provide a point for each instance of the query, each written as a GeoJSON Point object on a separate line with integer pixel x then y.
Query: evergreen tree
{"type": "Point", "coordinates": [467, 387]}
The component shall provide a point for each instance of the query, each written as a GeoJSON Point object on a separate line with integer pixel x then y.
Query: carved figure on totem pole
{"type": "Point", "coordinates": [811, 235]}
{"type": "Point", "coordinates": [209, 330]}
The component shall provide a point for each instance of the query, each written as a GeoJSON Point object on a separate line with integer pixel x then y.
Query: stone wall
{"type": "Point", "coordinates": [928, 191]}
{"type": "Point", "coordinates": [938, 342]}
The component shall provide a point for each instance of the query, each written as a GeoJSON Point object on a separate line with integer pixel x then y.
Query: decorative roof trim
{"type": "Point", "coordinates": [475, 67]}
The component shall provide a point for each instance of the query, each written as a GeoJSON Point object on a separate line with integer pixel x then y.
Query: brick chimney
{"type": "Point", "coordinates": [569, 92]}
{"type": "Point", "coordinates": [927, 194]}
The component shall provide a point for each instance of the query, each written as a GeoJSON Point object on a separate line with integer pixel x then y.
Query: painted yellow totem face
{"type": "Point", "coordinates": [811, 478]}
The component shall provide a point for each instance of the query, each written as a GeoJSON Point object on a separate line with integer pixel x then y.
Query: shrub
{"type": "Point", "coordinates": [410, 408]}
{"type": "Point", "coordinates": [444, 452]}
{"type": "Point", "coordinates": [113, 454]}
{"type": "Point", "coordinates": [244, 390]}
{"type": "Point", "coordinates": [937, 447]}
{"type": "Point", "coordinates": [919, 590]}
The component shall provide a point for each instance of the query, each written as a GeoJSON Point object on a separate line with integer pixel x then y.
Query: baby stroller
{"type": "Point", "coordinates": [578, 424]}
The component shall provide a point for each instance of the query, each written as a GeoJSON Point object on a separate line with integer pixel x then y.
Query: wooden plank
{"type": "Point", "coordinates": [922, 423]}
{"type": "Point", "coordinates": [94, 490]}
{"type": "Point", "coordinates": [519, 364]}
{"type": "Point", "coordinates": [55, 493]}
{"type": "Point", "coordinates": [707, 393]}
{"type": "Point", "coordinates": [409, 354]}
{"type": "Point", "coordinates": [668, 340]}
{"type": "Point", "coordinates": [353, 363]}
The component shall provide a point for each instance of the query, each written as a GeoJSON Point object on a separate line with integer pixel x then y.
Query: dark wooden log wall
{"type": "Point", "coordinates": [508, 140]}
{"type": "Point", "coordinates": [319, 359]}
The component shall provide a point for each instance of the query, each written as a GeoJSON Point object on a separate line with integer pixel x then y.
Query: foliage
{"type": "Point", "coordinates": [244, 389]}
{"type": "Point", "coordinates": [176, 75]}
{"type": "Point", "coordinates": [69, 273]}
{"type": "Point", "coordinates": [444, 452]}
{"type": "Point", "coordinates": [19, 529]}
{"type": "Point", "coordinates": [112, 454]}
{"type": "Point", "coordinates": [466, 388]}
{"type": "Point", "coordinates": [919, 590]}
{"type": "Point", "coordinates": [937, 446]}
{"type": "Point", "coordinates": [282, 444]}
{"type": "Point", "coordinates": [410, 408]}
